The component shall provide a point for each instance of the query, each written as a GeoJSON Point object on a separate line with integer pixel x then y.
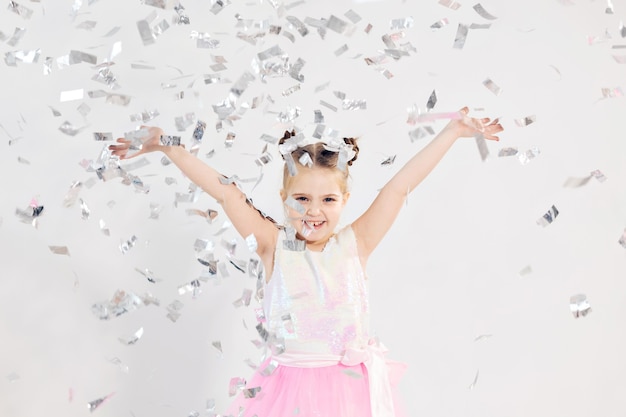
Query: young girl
{"type": "Point", "coordinates": [323, 362]}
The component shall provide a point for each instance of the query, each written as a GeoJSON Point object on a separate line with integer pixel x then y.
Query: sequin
{"type": "Point", "coordinates": [323, 294]}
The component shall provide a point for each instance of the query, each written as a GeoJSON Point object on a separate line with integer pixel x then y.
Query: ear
{"type": "Point", "coordinates": [346, 196]}
{"type": "Point", "coordinates": [283, 194]}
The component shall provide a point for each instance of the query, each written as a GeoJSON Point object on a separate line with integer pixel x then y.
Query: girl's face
{"type": "Point", "coordinates": [319, 191]}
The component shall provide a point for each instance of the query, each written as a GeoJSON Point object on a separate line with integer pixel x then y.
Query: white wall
{"type": "Point", "coordinates": [446, 273]}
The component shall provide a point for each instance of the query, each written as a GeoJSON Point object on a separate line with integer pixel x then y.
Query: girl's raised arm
{"type": "Point", "coordinates": [246, 219]}
{"type": "Point", "coordinates": [372, 225]}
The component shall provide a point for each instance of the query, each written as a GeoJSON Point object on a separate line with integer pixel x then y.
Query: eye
{"type": "Point", "coordinates": [329, 199]}
{"type": "Point", "coordinates": [301, 198]}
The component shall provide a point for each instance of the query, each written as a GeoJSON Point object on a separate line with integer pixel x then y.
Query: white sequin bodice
{"type": "Point", "coordinates": [318, 301]}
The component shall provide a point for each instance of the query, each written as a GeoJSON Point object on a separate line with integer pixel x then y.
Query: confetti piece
{"type": "Point", "coordinates": [95, 404]}
{"type": "Point", "coordinates": [217, 345]}
{"type": "Point", "coordinates": [482, 337]}
{"type": "Point", "coordinates": [491, 86]}
{"type": "Point", "coordinates": [127, 245]}
{"type": "Point", "coordinates": [148, 274]}
{"type": "Point", "coordinates": [481, 143]}
{"type": "Point", "coordinates": [235, 385]}
{"type": "Point", "coordinates": [343, 48]}
{"type": "Point", "coordinates": [451, 4]}
{"type": "Point", "coordinates": [609, 7]}
{"type": "Point", "coordinates": [244, 300]}
{"type": "Point", "coordinates": [70, 129]}
{"type": "Point", "coordinates": [527, 270]}
{"type": "Point", "coordinates": [439, 24]}
{"type": "Point", "coordinates": [576, 182]}
{"type": "Point", "coordinates": [20, 10]}
{"type": "Point", "coordinates": [12, 377]}
{"type": "Point", "coordinates": [548, 217]}
{"type": "Point", "coordinates": [85, 212]}
{"type": "Point", "coordinates": [597, 174]}
{"type": "Point", "coordinates": [121, 303]}
{"type": "Point", "coordinates": [132, 339]}
{"type": "Point", "coordinates": [173, 310]}
{"type": "Point", "coordinates": [432, 100]}
{"type": "Point", "coordinates": [530, 154]}
{"type": "Point", "coordinates": [403, 23]}
{"type": "Point", "coordinates": [473, 384]}
{"type": "Point", "coordinates": [461, 36]}
{"type": "Point", "coordinates": [420, 132]}
{"type": "Point", "coordinates": [620, 59]}
{"type": "Point", "coordinates": [352, 16]}
{"type": "Point", "coordinates": [622, 239]}
{"type": "Point", "coordinates": [579, 306]}
{"type": "Point", "coordinates": [59, 250]}
{"type": "Point", "coordinates": [389, 161]}
{"type": "Point", "coordinates": [507, 152]}
{"type": "Point", "coordinates": [525, 121]}
{"type": "Point", "coordinates": [612, 92]}
{"type": "Point", "coordinates": [482, 12]}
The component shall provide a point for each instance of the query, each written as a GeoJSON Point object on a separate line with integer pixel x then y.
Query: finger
{"type": "Point", "coordinates": [464, 110]}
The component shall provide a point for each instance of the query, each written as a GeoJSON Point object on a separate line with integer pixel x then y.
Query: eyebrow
{"type": "Point", "coordinates": [325, 195]}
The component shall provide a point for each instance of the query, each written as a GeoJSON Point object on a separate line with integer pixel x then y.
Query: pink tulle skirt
{"type": "Point", "coordinates": [330, 391]}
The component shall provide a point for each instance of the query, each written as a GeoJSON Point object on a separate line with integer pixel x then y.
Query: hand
{"type": "Point", "coordinates": [470, 127]}
{"type": "Point", "coordinates": [149, 143]}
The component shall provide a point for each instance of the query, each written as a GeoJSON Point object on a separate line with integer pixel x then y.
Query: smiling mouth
{"type": "Point", "coordinates": [313, 225]}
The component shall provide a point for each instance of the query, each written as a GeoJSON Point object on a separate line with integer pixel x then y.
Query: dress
{"type": "Point", "coordinates": [323, 363]}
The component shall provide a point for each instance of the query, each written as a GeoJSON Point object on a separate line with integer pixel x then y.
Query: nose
{"type": "Point", "coordinates": [314, 209]}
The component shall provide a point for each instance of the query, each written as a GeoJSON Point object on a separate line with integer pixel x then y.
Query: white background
{"type": "Point", "coordinates": [448, 271]}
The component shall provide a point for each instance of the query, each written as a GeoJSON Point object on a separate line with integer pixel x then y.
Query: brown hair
{"type": "Point", "coordinates": [321, 156]}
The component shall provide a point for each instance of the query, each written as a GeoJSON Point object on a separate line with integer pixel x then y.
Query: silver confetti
{"type": "Point", "coordinates": [473, 384]}
{"type": "Point", "coordinates": [20, 10]}
{"type": "Point", "coordinates": [579, 306]}
{"type": "Point", "coordinates": [612, 92]}
{"type": "Point", "coordinates": [59, 250]}
{"type": "Point", "coordinates": [439, 24]}
{"type": "Point", "coordinates": [597, 174]}
{"type": "Point", "coordinates": [461, 36]}
{"type": "Point", "coordinates": [432, 100]}
{"type": "Point", "coordinates": [482, 12]}
{"type": "Point", "coordinates": [251, 242]}
{"type": "Point", "coordinates": [527, 270]}
{"type": "Point", "coordinates": [491, 86]}
{"type": "Point", "coordinates": [450, 4]}
{"type": "Point", "coordinates": [481, 143]}
{"type": "Point", "coordinates": [103, 228]}
{"type": "Point", "coordinates": [70, 129]}
{"type": "Point", "coordinates": [507, 152]}
{"type": "Point", "coordinates": [17, 35]}
{"type": "Point", "coordinates": [72, 195]}
{"type": "Point", "coordinates": [343, 48]}
{"type": "Point", "coordinates": [572, 182]}
{"type": "Point", "coordinates": [244, 300]}
{"type": "Point", "coordinates": [95, 404]}
{"type": "Point", "coordinates": [525, 121]}
{"type": "Point", "coordinates": [399, 24]}
{"type": "Point", "coordinates": [121, 303]}
{"type": "Point", "coordinates": [132, 339]}
{"type": "Point", "coordinates": [292, 203]}
{"type": "Point", "coordinates": [389, 161]}
{"type": "Point", "coordinates": [251, 392]}
{"type": "Point", "coordinates": [622, 239]}
{"type": "Point", "coordinates": [548, 217]}
{"type": "Point", "coordinates": [218, 6]}
{"type": "Point", "coordinates": [297, 23]}
{"type": "Point", "coordinates": [530, 154]}
{"type": "Point", "coordinates": [85, 212]}
{"type": "Point", "coordinates": [173, 310]}
{"type": "Point", "coordinates": [127, 245]}
{"type": "Point", "coordinates": [235, 385]}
